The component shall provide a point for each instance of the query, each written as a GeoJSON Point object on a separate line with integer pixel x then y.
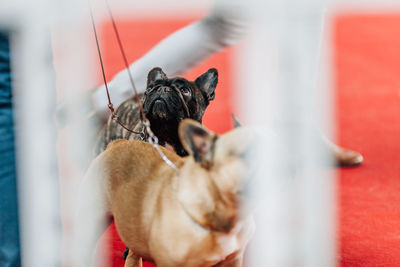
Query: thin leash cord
{"type": "Point", "coordinates": [110, 105]}
{"type": "Point", "coordinates": [121, 48]}
{"type": "Point", "coordinates": [152, 139]}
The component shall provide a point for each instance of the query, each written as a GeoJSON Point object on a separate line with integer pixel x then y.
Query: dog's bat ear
{"type": "Point", "coordinates": [207, 83]}
{"type": "Point", "coordinates": [155, 74]}
{"type": "Point", "coordinates": [197, 141]}
{"type": "Point", "coordinates": [236, 123]}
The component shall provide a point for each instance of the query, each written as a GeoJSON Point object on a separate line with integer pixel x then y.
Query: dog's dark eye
{"type": "Point", "coordinates": [185, 91]}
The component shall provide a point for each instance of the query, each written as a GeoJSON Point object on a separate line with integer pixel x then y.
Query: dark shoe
{"type": "Point", "coordinates": [346, 158]}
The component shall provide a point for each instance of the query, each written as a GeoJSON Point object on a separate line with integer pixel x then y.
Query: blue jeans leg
{"type": "Point", "coordinates": [9, 227]}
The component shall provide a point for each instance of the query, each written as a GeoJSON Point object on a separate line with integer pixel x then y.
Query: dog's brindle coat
{"type": "Point", "coordinates": [166, 102]}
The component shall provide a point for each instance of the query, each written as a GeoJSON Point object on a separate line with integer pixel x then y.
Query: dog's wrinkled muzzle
{"type": "Point", "coordinates": [164, 103]}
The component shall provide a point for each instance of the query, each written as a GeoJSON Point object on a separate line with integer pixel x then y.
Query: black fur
{"type": "Point", "coordinates": [163, 107]}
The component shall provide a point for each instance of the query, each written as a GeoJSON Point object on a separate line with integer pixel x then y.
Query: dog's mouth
{"type": "Point", "coordinates": [159, 101]}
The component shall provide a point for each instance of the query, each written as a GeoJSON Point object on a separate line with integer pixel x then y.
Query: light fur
{"type": "Point", "coordinates": [190, 218]}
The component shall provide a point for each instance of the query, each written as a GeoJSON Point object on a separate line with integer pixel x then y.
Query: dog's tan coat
{"type": "Point", "coordinates": [186, 219]}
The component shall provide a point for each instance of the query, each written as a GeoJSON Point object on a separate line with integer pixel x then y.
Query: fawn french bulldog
{"type": "Point", "coordinates": [187, 218]}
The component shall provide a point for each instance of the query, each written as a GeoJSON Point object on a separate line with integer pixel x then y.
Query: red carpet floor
{"type": "Point", "coordinates": [367, 62]}
{"type": "Point", "coordinates": [367, 66]}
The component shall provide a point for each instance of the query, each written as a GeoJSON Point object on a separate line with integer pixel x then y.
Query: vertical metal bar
{"type": "Point", "coordinates": [34, 103]}
{"type": "Point", "coordinates": [75, 47]}
{"type": "Point", "coordinates": [34, 93]}
{"type": "Point", "coordinates": [295, 216]}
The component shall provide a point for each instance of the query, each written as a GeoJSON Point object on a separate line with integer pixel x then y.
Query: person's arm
{"type": "Point", "coordinates": [179, 52]}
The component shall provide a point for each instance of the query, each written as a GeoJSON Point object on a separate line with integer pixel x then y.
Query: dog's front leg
{"type": "Point", "coordinates": [132, 260]}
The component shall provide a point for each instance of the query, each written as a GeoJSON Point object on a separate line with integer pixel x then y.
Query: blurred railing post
{"type": "Point", "coordinates": [34, 95]}
{"type": "Point", "coordinates": [295, 214]}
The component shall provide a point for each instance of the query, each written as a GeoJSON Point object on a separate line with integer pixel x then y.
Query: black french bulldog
{"type": "Point", "coordinates": [166, 102]}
